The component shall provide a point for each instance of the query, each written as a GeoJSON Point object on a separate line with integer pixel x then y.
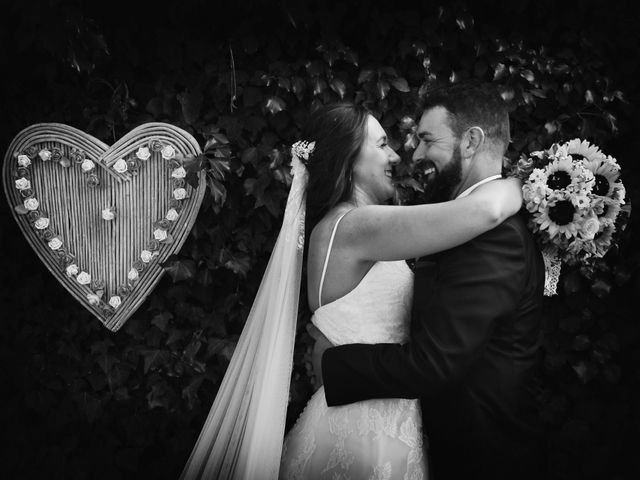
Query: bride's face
{"type": "Point", "coordinates": [372, 171]}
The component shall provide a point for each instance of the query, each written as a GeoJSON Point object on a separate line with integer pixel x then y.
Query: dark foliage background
{"type": "Point", "coordinates": [81, 402]}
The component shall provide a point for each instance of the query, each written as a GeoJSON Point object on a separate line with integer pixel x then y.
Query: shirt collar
{"type": "Point", "coordinates": [476, 185]}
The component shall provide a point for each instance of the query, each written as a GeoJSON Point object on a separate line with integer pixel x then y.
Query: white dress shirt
{"type": "Point", "coordinates": [476, 185]}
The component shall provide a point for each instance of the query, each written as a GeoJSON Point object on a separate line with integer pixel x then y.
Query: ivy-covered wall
{"type": "Point", "coordinates": [81, 402]}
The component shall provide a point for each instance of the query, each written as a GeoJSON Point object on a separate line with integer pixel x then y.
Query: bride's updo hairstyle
{"type": "Point", "coordinates": [339, 130]}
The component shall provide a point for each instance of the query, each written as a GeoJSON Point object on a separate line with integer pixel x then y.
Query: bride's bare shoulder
{"type": "Point", "coordinates": [322, 231]}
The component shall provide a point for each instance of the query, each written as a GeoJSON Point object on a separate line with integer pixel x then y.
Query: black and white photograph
{"type": "Point", "coordinates": [307, 240]}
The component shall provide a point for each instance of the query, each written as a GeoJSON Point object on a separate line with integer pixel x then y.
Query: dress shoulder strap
{"type": "Point", "coordinates": [326, 260]}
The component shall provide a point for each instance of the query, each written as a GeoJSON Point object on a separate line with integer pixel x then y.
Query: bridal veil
{"type": "Point", "coordinates": [243, 433]}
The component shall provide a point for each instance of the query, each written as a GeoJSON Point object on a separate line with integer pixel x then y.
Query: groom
{"type": "Point", "coordinates": [475, 320]}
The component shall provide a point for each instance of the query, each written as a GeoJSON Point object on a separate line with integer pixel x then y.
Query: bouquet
{"type": "Point", "coordinates": [574, 196]}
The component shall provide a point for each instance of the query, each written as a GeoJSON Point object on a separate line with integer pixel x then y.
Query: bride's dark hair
{"type": "Point", "coordinates": [339, 130]}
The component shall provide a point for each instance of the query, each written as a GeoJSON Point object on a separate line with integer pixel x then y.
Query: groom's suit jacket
{"type": "Point", "coordinates": [471, 359]}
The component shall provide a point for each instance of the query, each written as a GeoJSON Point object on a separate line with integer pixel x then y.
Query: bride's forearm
{"type": "Point", "coordinates": [382, 233]}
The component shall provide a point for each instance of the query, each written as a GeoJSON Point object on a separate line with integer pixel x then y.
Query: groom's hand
{"type": "Point", "coordinates": [321, 344]}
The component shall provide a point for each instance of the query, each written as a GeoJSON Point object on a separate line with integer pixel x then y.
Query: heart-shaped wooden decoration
{"type": "Point", "coordinates": [103, 219]}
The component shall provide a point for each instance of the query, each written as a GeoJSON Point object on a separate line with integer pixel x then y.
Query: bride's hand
{"type": "Point", "coordinates": [320, 346]}
{"type": "Point", "coordinates": [502, 197]}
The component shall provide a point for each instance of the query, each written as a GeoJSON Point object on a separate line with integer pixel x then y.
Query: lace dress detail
{"type": "Point", "coordinates": [373, 439]}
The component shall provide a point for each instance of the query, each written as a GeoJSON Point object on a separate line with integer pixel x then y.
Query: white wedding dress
{"type": "Point", "coordinates": [373, 439]}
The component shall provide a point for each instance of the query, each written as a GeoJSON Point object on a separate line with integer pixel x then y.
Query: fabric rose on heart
{"type": "Point", "coordinates": [55, 243]}
{"type": "Point", "coordinates": [156, 145]}
{"type": "Point", "coordinates": [115, 301]}
{"type": "Point", "coordinates": [179, 172]}
{"type": "Point", "coordinates": [168, 152]}
{"type": "Point", "coordinates": [160, 234]}
{"type": "Point", "coordinates": [179, 194]}
{"type": "Point", "coordinates": [23, 184]}
{"type": "Point", "coordinates": [72, 270]}
{"type": "Point", "coordinates": [146, 256]}
{"type": "Point", "coordinates": [93, 180]}
{"type": "Point", "coordinates": [83, 278]}
{"type": "Point", "coordinates": [87, 165]}
{"type": "Point", "coordinates": [45, 155]}
{"type": "Point", "coordinates": [93, 299]}
{"type": "Point", "coordinates": [76, 155]}
{"type": "Point", "coordinates": [109, 213]}
{"type": "Point", "coordinates": [31, 204]}
{"type": "Point", "coordinates": [120, 166]}
{"type": "Point", "coordinates": [24, 160]}
{"type": "Point", "coordinates": [133, 275]}
{"type": "Point", "coordinates": [172, 215]}
{"type": "Point", "coordinates": [41, 223]}
{"type": "Point", "coordinates": [143, 153]}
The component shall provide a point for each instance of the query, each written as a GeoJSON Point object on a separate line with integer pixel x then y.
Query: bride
{"type": "Point", "coordinates": [360, 290]}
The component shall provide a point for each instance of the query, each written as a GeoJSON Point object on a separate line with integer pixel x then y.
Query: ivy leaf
{"type": "Point", "coordinates": [238, 264]}
{"type": "Point", "coordinates": [275, 105]}
{"type": "Point", "coordinates": [351, 57]}
{"type": "Point", "coordinates": [220, 346]}
{"type": "Point", "coordinates": [601, 288]}
{"type": "Point", "coordinates": [499, 71]}
{"type": "Point", "coordinates": [161, 320]}
{"type": "Point", "coordinates": [319, 85]}
{"type": "Point", "coordinates": [581, 342]}
{"type": "Point", "coordinates": [159, 395]}
{"type": "Point", "coordinates": [191, 350]}
{"type": "Point", "coordinates": [180, 269]}
{"type": "Point", "coordinates": [401, 84]}
{"type": "Point", "coordinates": [284, 83]}
{"type": "Point", "coordinates": [194, 164]}
{"type": "Point", "coordinates": [191, 103]}
{"type": "Point", "coordinates": [339, 87]}
{"type": "Point", "coordinates": [250, 155]}
{"type": "Point", "coordinates": [366, 75]}
{"type": "Point", "coordinates": [154, 358]}
{"type": "Point", "coordinates": [382, 88]}
{"type": "Point", "coordinates": [528, 75]}
{"type": "Point", "coordinates": [299, 87]}
{"type": "Point", "coordinates": [215, 141]}
{"type": "Point", "coordinates": [585, 371]}
{"type": "Point", "coordinates": [218, 191]}
{"type": "Point", "coordinates": [218, 168]}
{"type": "Point", "coordinates": [190, 392]}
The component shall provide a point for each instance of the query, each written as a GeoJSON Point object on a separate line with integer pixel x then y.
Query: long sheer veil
{"type": "Point", "coordinates": [244, 431]}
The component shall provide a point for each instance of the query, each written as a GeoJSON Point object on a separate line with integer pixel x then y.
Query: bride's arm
{"type": "Point", "coordinates": [379, 232]}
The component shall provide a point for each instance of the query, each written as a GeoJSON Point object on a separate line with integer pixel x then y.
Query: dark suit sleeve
{"type": "Point", "coordinates": [477, 284]}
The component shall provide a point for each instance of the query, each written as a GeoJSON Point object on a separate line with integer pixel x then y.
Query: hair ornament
{"type": "Point", "coordinates": [303, 149]}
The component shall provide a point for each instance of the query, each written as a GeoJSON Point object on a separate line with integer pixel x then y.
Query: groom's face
{"type": "Point", "coordinates": [438, 152]}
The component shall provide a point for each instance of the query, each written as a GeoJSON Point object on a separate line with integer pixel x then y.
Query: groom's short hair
{"type": "Point", "coordinates": [469, 105]}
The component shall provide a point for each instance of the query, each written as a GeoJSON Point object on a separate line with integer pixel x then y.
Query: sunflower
{"type": "Point", "coordinates": [603, 240]}
{"type": "Point", "coordinates": [563, 173]}
{"type": "Point", "coordinates": [609, 212]}
{"type": "Point", "coordinates": [560, 218]}
{"type": "Point", "coordinates": [605, 173]}
{"type": "Point", "coordinates": [583, 150]}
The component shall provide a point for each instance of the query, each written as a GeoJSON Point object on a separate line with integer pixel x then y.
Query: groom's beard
{"type": "Point", "coordinates": [446, 180]}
